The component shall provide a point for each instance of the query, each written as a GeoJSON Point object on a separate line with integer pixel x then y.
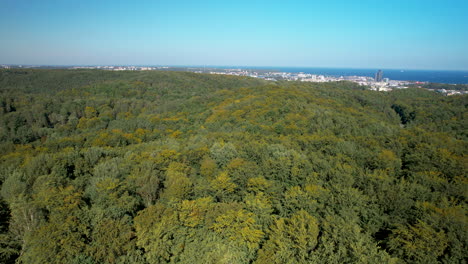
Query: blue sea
{"type": "Point", "coordinates": [434, 76]}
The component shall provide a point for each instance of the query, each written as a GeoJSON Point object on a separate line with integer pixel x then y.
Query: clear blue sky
{"type": "Point", "coordinates": [407, 34]}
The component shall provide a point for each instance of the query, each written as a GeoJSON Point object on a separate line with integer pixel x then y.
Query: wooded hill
{"type": "Point", "coordinates": [175, 167]}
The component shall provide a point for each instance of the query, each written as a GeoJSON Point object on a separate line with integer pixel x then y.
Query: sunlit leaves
{"type": "Point", "coordinates": [290, 240]}
{"type": "Point", "coordinates": [63, 236]}
{"type": "Point", "coordinates": [193, 213]}
{"type": "Point", "coordinates": [177, 184]}
{"type": "Point", "coordinates": [239, 226]}
{"type": "Point", "coordinates": [223, 185]}
{"type": "Point", "coordinates": [155, 228]}
{"type": "Point", "coordinates": [419, 243]}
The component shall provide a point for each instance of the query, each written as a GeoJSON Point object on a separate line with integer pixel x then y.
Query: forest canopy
{"type": "Point", "coordinates": [177, 167]}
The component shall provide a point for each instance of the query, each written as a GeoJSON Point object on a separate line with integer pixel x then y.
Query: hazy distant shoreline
{"type": "Point", "coordinates": [433, 76]}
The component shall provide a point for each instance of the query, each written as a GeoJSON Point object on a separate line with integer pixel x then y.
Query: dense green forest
{"type": "Point", "coordinates": [176, 167]}
{"type": "Point", "coordinates": [437, 86]}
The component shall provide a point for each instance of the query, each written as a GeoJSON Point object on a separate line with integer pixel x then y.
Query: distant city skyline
{"type": "Point", "coordinates": [398, 34]}
{"type": "Point", "coordinates": [251, 67]}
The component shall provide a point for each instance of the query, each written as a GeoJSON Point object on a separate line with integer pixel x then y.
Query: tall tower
{"type": "Point", "coordinates": [379, 76]}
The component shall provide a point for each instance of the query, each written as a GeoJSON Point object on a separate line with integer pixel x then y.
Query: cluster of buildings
{"type": "Point", "coordinates": [109, 68]}
{"type": "Point", "coordinates": [451, 92]}
{"type": "Point", "coordinates": [378, 83]}
{"type": "Point", "coordinates": [120, 68]}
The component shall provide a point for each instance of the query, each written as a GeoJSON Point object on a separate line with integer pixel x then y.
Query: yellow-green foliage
{"type": "Point", "coordinates": [223, 184]}
{"type": "Point", "coordinates": [290, 240]}
{"type": "Point", "coordinates": [418, 243]}
{"type": "Point", "coordinates": [239, 226]}
{"type": "Point", "coordinates": [177, 167]}
{"type": "Point", "coordinates": [193, 213]}
{"type": "Point", "coordinates": [177, 184]}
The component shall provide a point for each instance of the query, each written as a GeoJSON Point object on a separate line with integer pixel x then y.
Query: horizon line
{"type": "Point", "coordinates": [237, 66]}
